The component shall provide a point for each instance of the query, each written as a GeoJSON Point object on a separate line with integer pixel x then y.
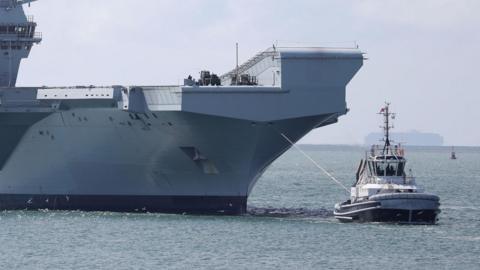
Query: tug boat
{"type": "Point", "coordinates": [383, 192]}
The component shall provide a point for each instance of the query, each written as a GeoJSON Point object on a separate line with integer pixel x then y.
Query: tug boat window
{"type": "Point", "coordinates": [390, 168]}
{"type": "Point", "coordinates": [381, 167]}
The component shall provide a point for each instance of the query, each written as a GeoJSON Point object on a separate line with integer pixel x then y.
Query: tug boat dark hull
{"type": "Point", "coordinates": [391, 208]}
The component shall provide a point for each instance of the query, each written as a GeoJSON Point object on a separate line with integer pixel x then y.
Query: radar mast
{"type": "Point", "coordinates": [387, 115]}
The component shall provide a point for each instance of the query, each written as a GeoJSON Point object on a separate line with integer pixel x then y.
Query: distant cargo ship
{"type": "Point", "coordinates": [195, 148]}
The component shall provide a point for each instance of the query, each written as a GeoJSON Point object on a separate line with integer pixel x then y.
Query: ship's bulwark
{"type": "Point", "coordinates": [174, 162]}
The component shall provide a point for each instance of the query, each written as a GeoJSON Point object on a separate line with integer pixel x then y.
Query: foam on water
{"type": "Point", "coordinates": [289, 212]}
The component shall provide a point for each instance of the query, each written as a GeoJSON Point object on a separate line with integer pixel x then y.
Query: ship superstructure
{"type": "Point", "coordinates": [17, 36]}
{"type": "Point", "coordinates": [196, 148]}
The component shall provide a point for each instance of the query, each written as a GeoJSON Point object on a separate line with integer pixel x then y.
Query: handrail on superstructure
{"type": "Point", "coordinates": [31, 19]}
{"type": "Point", "coordinates": [250, 63]}
{"type": "Point", "coordinates": [396, 150]}
{"type": "Point", "coordinates": [35, 37]}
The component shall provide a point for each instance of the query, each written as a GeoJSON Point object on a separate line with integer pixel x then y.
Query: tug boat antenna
{"type": "Point", "coordinates": [387, 115]}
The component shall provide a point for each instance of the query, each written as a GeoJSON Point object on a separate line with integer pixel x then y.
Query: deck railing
{"type": "Point", "coordinates": [395, 150]}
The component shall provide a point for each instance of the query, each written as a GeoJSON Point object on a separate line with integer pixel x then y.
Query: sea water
{"type": "Point", "coordinates": [290, 225]}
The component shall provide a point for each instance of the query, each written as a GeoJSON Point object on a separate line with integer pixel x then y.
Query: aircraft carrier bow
{"type": "Point", "coordinates": [194, 148]}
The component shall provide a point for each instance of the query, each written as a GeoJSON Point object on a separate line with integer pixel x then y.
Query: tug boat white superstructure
{"type": "Point", "coordinates": [383, 192]}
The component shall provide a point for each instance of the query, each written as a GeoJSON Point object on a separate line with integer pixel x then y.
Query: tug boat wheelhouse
{"type": "Point", "coordinates": [383, 192]}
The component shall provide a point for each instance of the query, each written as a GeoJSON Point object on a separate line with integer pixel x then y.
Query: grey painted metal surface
{"type": "Point", "coordinates": [17, 36]}
{"type": "Point", "coordinates": [412, 201]}
{"type": "Point", "coordinates": [164, 141]}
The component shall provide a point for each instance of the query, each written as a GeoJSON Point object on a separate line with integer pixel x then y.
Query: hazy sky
{"type": "Point", "coordinates": [423, 55]}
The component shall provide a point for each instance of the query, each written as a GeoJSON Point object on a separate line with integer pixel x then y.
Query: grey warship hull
{"type": "Point", "coordinates": [193, 148]}
{"type": "Point", "coordinates": [78, 162]}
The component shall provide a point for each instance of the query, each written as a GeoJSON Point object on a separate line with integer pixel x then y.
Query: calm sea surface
{"type": "Point", "coordinates": [290, 226]}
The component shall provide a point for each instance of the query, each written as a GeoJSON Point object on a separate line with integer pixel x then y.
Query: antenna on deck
{"type": "Point", "coordinates": [236, 69]}
{"type": "Point", "coordinates": [385, 112]}
{"type": "Point", "coordinates": [10, 64]}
